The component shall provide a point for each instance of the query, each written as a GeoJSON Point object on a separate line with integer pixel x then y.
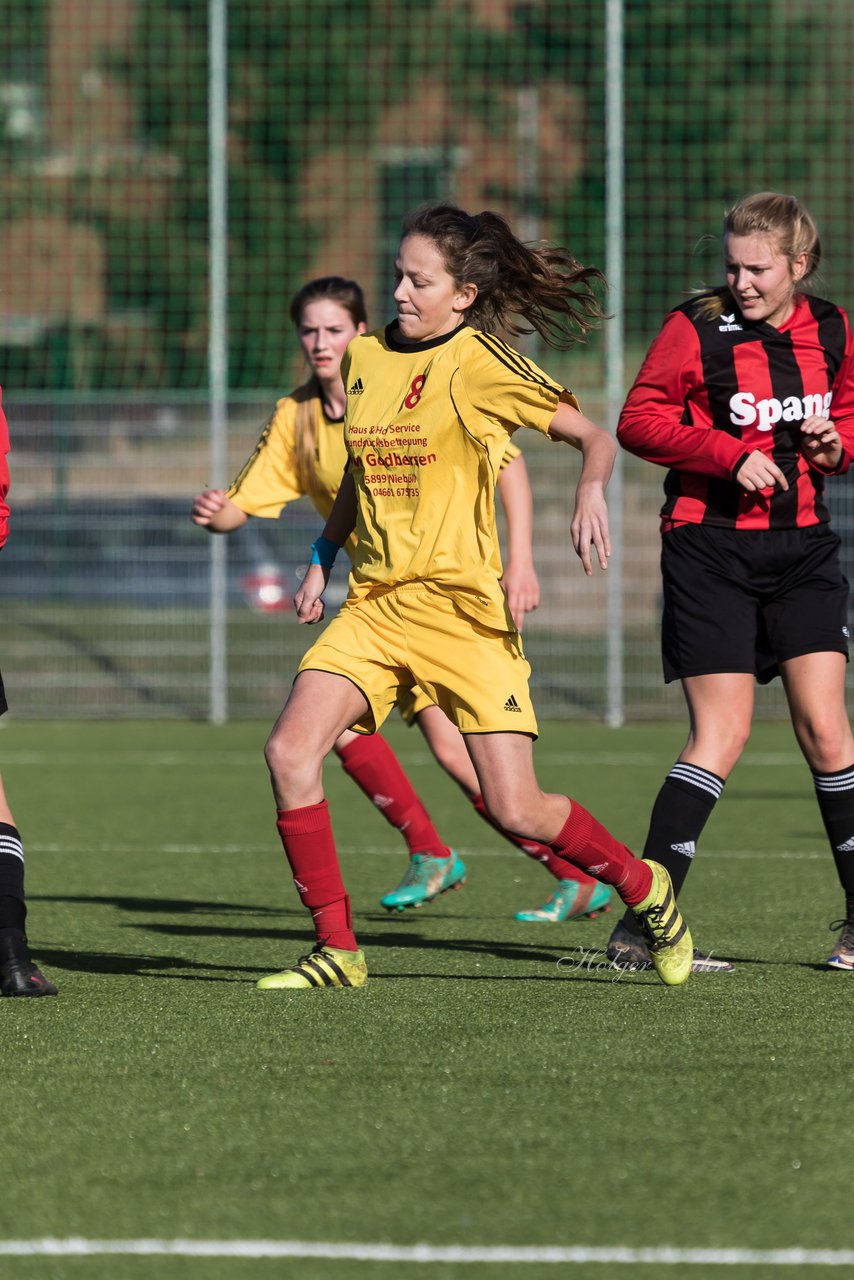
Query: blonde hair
{"type": "Point", "coordinates": [784, 220]}
{"type": "Point", "coordinates": [349, 296]}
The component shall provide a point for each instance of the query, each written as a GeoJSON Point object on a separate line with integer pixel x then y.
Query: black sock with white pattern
{"type": "Point", "coordinates": [681, 810]}
{"type": "Point", "coordinates": [835, 795]}
{"type": "Point", "coordinates": [13, 911]}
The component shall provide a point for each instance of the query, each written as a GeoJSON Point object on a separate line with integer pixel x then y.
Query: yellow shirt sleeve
{"type": "Point", "coordinates": [268, 480]}
{"type": "Point", "coordinates": [498, 385]}
{"type": "Point", "coordinates": [512, 451]}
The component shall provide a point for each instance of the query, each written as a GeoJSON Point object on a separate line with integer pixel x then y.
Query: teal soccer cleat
{"type": "Point", "coordinates": [571, 900]}
{"type": "Point", "coordinates": [426, 877]}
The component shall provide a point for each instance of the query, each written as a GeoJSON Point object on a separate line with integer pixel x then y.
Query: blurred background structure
{"type": "Point", "coordinates": [622, 128]}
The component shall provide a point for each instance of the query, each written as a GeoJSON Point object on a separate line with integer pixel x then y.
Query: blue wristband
{"type": "Point", "coordinates": [323, 552]}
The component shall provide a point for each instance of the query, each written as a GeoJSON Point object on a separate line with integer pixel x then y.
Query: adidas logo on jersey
{"type": "Point", "coordinates": [512, 705]}
{"type": "Point", "coordinates": [728, 324]}
{"type": "Point", "coordinates": [688, 848]}
{"type": "Point", "coordinates": [357, 388]}
{"type": "Point", "coordinates": [848, 847]}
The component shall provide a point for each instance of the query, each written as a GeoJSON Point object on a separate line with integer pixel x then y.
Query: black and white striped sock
{"type": "Point", "coordinates": [681, 810]}
{"type": "Point", "coordinates": [835, 795]}
{"type": "Point", "coordinates": [13, 911]}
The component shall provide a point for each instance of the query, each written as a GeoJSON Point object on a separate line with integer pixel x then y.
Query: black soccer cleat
{"type": "Point", "coordinates": [18, 975]}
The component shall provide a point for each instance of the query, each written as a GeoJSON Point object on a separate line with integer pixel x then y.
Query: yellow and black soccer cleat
{"type": "Point", "coordinates": [325, 967]}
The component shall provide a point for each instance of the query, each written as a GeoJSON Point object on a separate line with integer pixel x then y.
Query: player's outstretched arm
{"type": "Point", "coordinates": [598, 449]}
{"type": "Point", "coordinates": [520, 582]}
{"type": "Point", "coordinates": [217, 513]}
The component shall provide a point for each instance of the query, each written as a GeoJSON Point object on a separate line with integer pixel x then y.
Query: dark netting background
{"type": "Point", "coordinates": [340, 116]}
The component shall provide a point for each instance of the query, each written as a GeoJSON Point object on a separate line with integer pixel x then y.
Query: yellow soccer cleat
{"type": "Point", "coordinates": [325, 967]}
{"type": "Point", "coordinates": [668, 936]}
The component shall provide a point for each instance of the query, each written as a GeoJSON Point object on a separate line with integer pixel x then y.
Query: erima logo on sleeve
{"type": "Point", "coordinates": [357, 388]}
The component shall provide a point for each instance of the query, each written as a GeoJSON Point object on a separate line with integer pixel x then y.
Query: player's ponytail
{"type": "Point", "coordinates": [520, 287]}
{"type": "Point", "coordinates": [348, 295]}
{"type": "Point", "coordinates": [305, 433]}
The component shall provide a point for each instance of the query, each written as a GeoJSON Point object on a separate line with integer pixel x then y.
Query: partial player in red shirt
{"type": "Point", "coordinates": [19, 976]}
{"type": "Point", "coordinates": [747, 395]}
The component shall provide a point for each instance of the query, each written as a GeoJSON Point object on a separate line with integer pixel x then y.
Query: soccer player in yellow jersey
{"type": "Point", "coordinates": [301, 452]}
{"type": "Point", "coordinates": [432, 401]}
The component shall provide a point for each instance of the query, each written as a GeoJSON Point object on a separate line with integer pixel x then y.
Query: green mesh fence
{"type": "Point", "coordinates": [341, 115]}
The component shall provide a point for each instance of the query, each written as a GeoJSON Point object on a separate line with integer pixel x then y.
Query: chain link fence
{"type": "Point", "coordinates": [340, 115]}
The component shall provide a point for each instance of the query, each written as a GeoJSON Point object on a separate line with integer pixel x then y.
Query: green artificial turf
{"type": "Point", "coordinates": [494, 1084]}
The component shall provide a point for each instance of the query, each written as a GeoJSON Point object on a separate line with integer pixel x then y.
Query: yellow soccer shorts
{"type": "Point", "coordinates": [415, 634]}
{"type": "Point", "coordinates": [411, 702]}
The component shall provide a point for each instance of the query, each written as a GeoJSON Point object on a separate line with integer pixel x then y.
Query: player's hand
{"type": "Point", "coordinates": [589, 527]}
{"type": "Point", "coordinates": [308, 603]}
{"type": "Point", "coordinates": [522, 589]}
{"type": "Point", "coordinates": [207, 505]}
{"type": "Point", "coordinates": [760, 472]}
{"type": "Point", "coordinates": [821, 442]}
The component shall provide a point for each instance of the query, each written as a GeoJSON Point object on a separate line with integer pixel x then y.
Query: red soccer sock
{"type": "Point", "coordinates": [559, 867]}
{"type": "Point", "coordinates": [374, 767]}
{"type": "Point", "coordinates": [589, 845]}
{"type": "Point", "coordinates": [310, 850]}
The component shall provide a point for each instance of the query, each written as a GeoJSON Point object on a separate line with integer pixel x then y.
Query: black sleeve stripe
{"type": "Point", "coordinates": [253, 457]}
{"type": "Point", "coordinates": [516, 362]}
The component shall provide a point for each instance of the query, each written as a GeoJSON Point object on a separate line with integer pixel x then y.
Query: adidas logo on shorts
{"type": "Point", "coordinates": [357, 388]}
{"type": "Point", "coordinates": [512, 705]}
{"type": "Point", "coordinates": [847, 847]}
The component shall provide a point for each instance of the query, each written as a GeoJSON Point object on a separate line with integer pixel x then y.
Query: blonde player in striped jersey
{"type": "Point", "coordinates": [432, 402]}
{"type": "Point", "coordinates": [301, 453]}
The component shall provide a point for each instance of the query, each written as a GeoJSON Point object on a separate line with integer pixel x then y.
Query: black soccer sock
{"type": "Point", "coordinates": [13, 911]}
{"type": "Point", "coordinates": [835, 795]}
{"type": "Point", "coordinates": [681, 810]}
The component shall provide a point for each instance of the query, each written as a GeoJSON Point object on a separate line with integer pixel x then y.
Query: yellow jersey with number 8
{"type": "Point", "coordinates": [427, 427]}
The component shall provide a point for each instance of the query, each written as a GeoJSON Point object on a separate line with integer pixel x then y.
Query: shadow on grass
{"type": "Point", "coordinates": [578, 962]}
{"type": "Point", "coordinates": [162, 906]}
{"type": "Point", "coordinates": [120, 964]}
{"type": "Point", "coordinates": [179, 968]}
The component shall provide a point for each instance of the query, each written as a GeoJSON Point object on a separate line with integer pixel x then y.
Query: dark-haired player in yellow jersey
{"type": "Point", "coordinates": [301, 453]}
{"type": "Point", "coordinates": [431, 404]}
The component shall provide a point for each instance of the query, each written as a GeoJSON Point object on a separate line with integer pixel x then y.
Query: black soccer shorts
{"type": "Point", "coordinates": [748, 600]}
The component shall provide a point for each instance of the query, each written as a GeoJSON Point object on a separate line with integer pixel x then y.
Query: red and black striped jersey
{"type": "Point", "coordinates": [711, 390]}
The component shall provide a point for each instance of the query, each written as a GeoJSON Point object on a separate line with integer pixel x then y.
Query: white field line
{"type": "Point", "coordinates": [380, 851]}
{"type": "Point", "coordinates": [412, 759]}
{"type": "Point", "coordinates": [76, 1246]}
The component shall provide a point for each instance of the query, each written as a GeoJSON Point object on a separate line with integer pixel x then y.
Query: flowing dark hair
{"type": "Point", "coordinates": [543, 286]}
{"type": "Point", "coordinates": [348, 295]}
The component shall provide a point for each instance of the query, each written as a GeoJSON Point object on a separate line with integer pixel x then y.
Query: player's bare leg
{"type": "Point", "coordinates": [575, 895]}
{"type": "Point", "coordinates": [505, 770]}
{"type": "Point", "coordinates": [720, 710]}
{"type": "Point", "coordinates": [815, 689]}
